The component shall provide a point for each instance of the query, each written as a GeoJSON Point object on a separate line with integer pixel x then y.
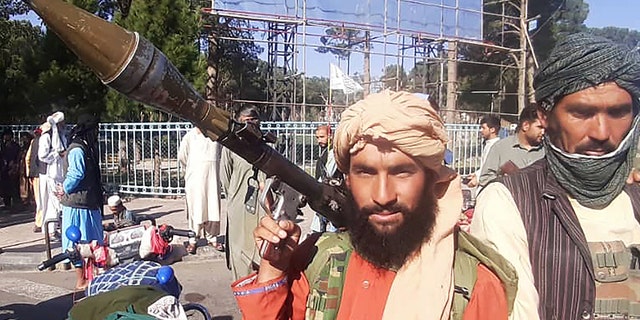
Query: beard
{"type": "Point", "coordinates": [390, 250]}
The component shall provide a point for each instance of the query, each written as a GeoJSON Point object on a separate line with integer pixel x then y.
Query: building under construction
{"type": "Point", "coordinates": [425, 46]}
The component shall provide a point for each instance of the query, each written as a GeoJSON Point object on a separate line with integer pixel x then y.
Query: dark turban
{"type": "Point", "coordinates": [579, 62]}
{"type": "Point", "coordinates": [583, 60]}
{"type": "Point", "coordinates": [86, 122]}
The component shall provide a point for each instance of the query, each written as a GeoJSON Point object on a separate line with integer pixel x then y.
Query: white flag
{"type": "Point", "coordinates": [339, 81]}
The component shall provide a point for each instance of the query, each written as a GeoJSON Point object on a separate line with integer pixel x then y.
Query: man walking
{"type": "Point", "coordinates": [36, 168]}
{"type": "Point", "coordinates": [489, 130]}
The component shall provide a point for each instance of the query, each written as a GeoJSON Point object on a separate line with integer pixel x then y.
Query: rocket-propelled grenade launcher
{"type": "Point", "coordinates": [130, 64]}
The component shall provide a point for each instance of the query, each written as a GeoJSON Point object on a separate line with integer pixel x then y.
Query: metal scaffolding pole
{"type": "Point", "coordinates": [386, 26]}
{"type": "Point", "coordinates": [281, 70]}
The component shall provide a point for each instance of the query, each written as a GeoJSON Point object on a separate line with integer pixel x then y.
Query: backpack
{"type": "Point", "coordinates": [326, 273]}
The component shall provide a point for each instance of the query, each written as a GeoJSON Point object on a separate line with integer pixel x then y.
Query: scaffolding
{"type": "Point", "coordinates": [417, 45]}
{"type": "Point", "coordinates": [281, 88]}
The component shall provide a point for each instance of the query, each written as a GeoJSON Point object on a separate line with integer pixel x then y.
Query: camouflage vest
{"type": "Point", "coordinates": [617, 275]}
{"type": "Point", "coordinates": [326, 274]}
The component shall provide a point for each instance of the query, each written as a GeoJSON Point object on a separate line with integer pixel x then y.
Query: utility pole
{"type": "Point", "coordinates": [522, 64]}
{"type": "Point", "coordinates": [367, 63]}
{"type": "Point", "coordinates": [452, 79]}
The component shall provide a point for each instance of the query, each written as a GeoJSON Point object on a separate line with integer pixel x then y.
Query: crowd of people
{"type": "Point", "coordinates": [56, 174]}
{"type": "Point", "coordinates": [13, 191]}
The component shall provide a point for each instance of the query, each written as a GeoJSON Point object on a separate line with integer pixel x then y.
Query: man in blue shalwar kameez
{"type": "Point", "coordinates": [81, 192]}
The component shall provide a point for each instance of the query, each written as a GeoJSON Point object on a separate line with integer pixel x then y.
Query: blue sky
{"type": "Point", "coordinates": [602, 13]}
{"type": "Point", "coordinates": [616, 13]}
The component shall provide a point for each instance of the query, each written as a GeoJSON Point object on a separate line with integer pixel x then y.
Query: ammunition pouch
{"type": "Point", "coordinates": [617, 278]}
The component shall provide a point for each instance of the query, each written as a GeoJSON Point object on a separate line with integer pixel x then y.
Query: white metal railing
{"type": "Point", "coordinates": [141, 158]}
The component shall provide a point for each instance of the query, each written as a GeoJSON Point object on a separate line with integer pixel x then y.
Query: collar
{"type": "Point", "coordinates": [515, 143]}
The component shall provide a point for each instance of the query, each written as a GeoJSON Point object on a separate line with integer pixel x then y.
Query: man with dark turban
{"type": "Point", "coordinates": [396, 258]}
{"type": "Point", "coordinates": [567, 221]}
{"type": "Point", "coordinates": [81, 191]}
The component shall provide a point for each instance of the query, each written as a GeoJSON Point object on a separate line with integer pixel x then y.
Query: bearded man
{"type": "Point", "coordinates": [397, 258]}
{"type": "Point", "coordinates": [569, 222]}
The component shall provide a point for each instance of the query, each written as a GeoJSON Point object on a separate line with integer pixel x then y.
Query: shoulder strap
{"type": "Point", "coordinates": [326, 274]}
{"type": "Point", "coordinates": [465, 274]}
{"type": "Point", "coordinates": [328, 261]}
{"type": "Point", "coordinates": [470, 252]}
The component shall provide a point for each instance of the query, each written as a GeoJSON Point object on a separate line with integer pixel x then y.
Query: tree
{"type": "Point", "coordinates": [9, 8]}
{"type": "Point", "coordinates": [317, 97]}
{"type": "Point", "coordinates": [625, 36]}
{"type": "Point", "coordinates": [233, 67]}
{"type": "Point", "coordinates": [341, 41]}
{"type": "Point", "coordinates": [19, 42]}
{"type": "Point", "coordinates": [423, 77]}
{"type": "Point", "coordinates": [570, 18]}
{"type": "Point", "coordinates": [173, 27]}
{"type": "Point", "coordinates": [395, 77]}
{"type": "Point", "coordinates": [556, 18]}
{"type": "Point", "coordinates": [64, 82]}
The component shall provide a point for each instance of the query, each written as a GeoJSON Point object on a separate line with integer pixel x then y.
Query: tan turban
{"type": "Point", "coordinates": [408, 122]}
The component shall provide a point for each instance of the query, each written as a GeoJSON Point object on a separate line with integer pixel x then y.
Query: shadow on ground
{"type": "Point", "coordinates": [53, 309]}
{"type": "Point", "coordinates": [10, 219]}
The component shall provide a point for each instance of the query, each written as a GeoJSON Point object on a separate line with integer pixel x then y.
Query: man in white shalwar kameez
{"type": "Point", "coordinates": [51, 151]}
{"type": "Point", "coordinates": [200, 158]}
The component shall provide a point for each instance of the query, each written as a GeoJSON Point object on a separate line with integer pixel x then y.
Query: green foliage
{"type": "Point", "coordinates": [234, 69]}
{"type": "Point", "coordinates": [64, 82]}
{"type": "Point", "coordinates": [556, 18]}
{"type": "Point", "coordinates": [317, 97]}
{"type": "Point", "coordinates": [39, 75]}
{"type": "Point", "coordinates": [570, 18]}
{"type": "Point", "coordinates": [395, 77]}
{"type": "Point", "coordinates": [173, 27]}
{"type": "Point", "coordinates": [19, 45]}
{"type": "Point", "coordinates": [10, 8]}
{"type": "Point", "coordinates": [625, 36]}
{"type": "Point", "coordinates": [340, 41]}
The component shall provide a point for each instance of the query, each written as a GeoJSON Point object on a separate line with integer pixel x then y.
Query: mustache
{"type": "Point", "coordinates": [606, 146]}
{"type": "Point", "coordinates": [375, 208]}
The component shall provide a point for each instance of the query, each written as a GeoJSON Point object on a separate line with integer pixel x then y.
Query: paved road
{"type": "Point", "coordinates": [26, 294]}
{"type": "Point", "coordinates": [48, 295]}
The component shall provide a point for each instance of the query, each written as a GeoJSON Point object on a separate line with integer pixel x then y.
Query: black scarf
{"type": "Point", "coordinates": [594, 181]}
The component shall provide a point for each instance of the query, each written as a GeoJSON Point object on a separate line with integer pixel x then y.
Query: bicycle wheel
{"type": "Point", "coordinates": [196, 311]}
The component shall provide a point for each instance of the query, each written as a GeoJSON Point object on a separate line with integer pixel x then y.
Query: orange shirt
{"type": "Point", "coordinates": [365, 290]}
{"type": "Point", "coordinates": [364, 295]}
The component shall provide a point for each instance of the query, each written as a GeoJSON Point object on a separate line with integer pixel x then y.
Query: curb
{"type": "Point", "coordinates": [21, 261]}
{"type": "Point", "coordinates": [29, 261]}
{"type": "Point", "coordinates": [204, 253]}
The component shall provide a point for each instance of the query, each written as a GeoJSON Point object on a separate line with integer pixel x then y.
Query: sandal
{"type": "Point", "coordinates": [191, 248]}
{"type": "Point", "coordinates": [218, 246]}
